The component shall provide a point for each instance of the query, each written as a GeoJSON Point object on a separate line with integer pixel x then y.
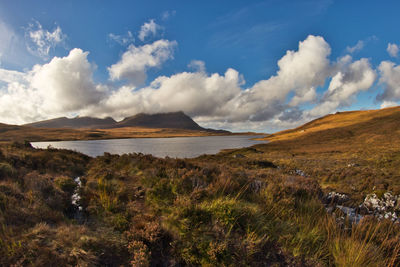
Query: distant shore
{"type": "Point", "coordinates": [32, 134]}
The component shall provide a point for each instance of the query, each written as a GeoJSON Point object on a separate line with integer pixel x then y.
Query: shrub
{"type": "Point", "coordinates": [6, 170]}
{"type": "Point", "coordinates": [231, 213]}
{"type": "Point", "coordinates": [120, 222]}
{"type": "Point", "coordinates": [66, 184]}
{"type": "Point", "coordinates": [162, 193]}
{"type": "Point", "coordinates": [351, 252]}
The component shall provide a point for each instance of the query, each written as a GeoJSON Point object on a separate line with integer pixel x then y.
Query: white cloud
{"type": "Point", "coordinates": [20, 104]}
{"type": "Point", "coordinates": [212, 97]}
{"type": "Point", "coordinates": [62, 86]}
{"type": "Point", "coordinates": [138, 59]}
{"type": "Point", "coordinates": [300, 72]}
{"type": "Point", "coordinates": [148, 29]}
{"type": "Point", "coordinates": [41, 41]}
{"type": "Point", "coordinates": [197, 65]}
{"type": "Point", "coordinates": [344, 86]}
{"type": "Point", "coordinates": [66, 83]}
{"type": "Point", "coordinates": [390, 79]}
{"type": "Point", "coordinates": [392, 49]}
{"type": "Point", "coordinates": [9, 76]}
{"type": "Point", "coordinates": [196, 93]}
{"type": "Point", "coordinates": [122, 39]}
{"type": "Point", "coordinates": [216, 100]}
{"type": "Point", "coordinates": [356, 48]}
{"type": "Point", "coordinates": [388, 104]}
{"type": "Point", "coordinates": [65, 86]}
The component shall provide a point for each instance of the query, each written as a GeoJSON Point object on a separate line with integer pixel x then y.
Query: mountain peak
{"type": "Point", "coordinates": [173, 120]}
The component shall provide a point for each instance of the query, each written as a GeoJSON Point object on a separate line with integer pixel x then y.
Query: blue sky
{"type": "Point", "coordinates": [215, 60]}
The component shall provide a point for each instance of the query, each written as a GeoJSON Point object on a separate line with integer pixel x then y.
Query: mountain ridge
{"type": "Point", "coordinates": [74, 123]}
{"type": "Point", "coordinates": [169, 120]}
{"type": "Point", "coordinates": [174, 120]}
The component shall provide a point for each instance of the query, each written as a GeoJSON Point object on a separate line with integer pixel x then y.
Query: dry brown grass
{"type": "Point", "coordinates": [340, 120]}
{"type": "Point", "coordinates": [352, 152]}
{"type": "Point", "coordinates": [215, 210]}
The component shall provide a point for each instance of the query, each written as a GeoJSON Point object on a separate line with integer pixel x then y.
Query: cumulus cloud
{"type": "Point", "coordinates": [148, 29]}
{"type": "Point", "coordinates": [41, 41]}
{"type": "Point", "coordinates": [392, 49]}
{"type": "Point", "coordinates": [65, 86]}
{"type": "Point", "coordinates": [196, 93]}
{"type": "Point", "coordinates": [214, 97]}
{"type": "Point", "coordinates": [122, 39]}
{"type": "Point", "coordinates": [390, 79]}
{"type": "Point", "coordinates": [62, 86]}
{"type": "Point", "coordinates": [66, 83]}
{"type": "Point", "coordinates": [348, 81]}
{"type": "Point", "coordinates": [356, 48]}
{"type": "Point", "coordinates": [300, 72]}
{"type": "Point", "coordinates": [138, 59]}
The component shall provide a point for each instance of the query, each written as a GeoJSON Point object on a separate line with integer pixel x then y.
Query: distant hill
{"type": "Point", "coordinates": [357, 125]}
{"type": "Point", "coordinates": [172, 120]}
{"type": "Point", "coordinates": [75, 123]}
{"type": "Point", "coordinates": [7, 127]}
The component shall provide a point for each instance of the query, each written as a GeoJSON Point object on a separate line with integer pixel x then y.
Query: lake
{"type": "Point", "coordinates": [180, 147]}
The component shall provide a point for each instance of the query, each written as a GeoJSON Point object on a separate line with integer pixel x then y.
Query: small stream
{"type": "Point", "coordinates": [75, 200]}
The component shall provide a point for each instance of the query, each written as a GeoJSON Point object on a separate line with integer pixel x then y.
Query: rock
{"type": "Point", "coordinates": [239, 156]}
{"type": "Point", "coordinates": [372, 202]}
{"type": "Point", "coordinates": [382, 208]}
{"type": "Point", "coordinates": [335, 198]}
{"type": "Point", "coordinates": [390, 200]}
{"type": "Point", "coordinates": [300, 173]}
{"type": "Point", "coordinates": [352, 164]}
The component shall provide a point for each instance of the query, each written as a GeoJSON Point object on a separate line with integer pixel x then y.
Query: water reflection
{"type": "Point", "coordinates": [181, 147]}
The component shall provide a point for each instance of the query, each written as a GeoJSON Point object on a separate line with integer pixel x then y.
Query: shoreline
{"type": "Point", "coordinates": [176, 149]}
{"type": "Point", "coordinates": [31, 134]}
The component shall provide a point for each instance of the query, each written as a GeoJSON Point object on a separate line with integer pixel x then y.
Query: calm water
{"type": "Point", "coordinates": [181, 147]}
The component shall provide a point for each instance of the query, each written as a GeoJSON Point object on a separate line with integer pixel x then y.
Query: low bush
{"type": "Point", "coordinates": [6, 170]}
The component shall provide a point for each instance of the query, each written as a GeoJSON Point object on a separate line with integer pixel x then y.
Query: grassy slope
{"type": "Point", "coordinates": [354, 152]}
{"type": "Point", "coordinates": [368, 123]}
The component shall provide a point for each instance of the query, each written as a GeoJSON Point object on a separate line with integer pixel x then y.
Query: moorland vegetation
{"type": "Point", "coordinates": [258, 206]}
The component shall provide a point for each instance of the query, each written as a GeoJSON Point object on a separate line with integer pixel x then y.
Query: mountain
{"type": "Point", "coordinates": [172, 120]}
{"type": "Point", "coordinates": [75, 123]}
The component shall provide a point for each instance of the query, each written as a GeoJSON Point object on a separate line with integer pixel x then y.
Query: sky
{"type": "Point", "coordinates": [237, 65]}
